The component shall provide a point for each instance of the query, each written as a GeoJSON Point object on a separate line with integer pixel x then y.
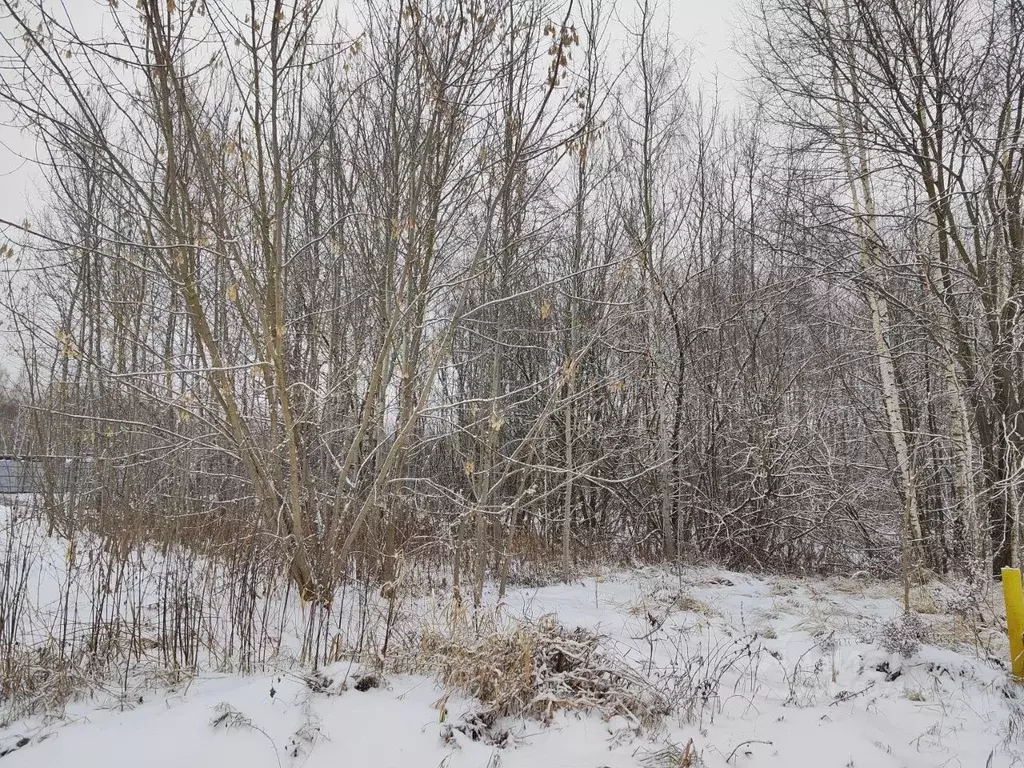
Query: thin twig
{"type": "Point", "coordinates": [743, 744]}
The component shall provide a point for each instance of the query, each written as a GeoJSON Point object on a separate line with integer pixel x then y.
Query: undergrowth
{"type": "Point", "coordinates": [535, 668]}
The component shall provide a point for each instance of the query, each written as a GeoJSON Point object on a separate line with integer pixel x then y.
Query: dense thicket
{"type": "Point", "coordinates": [490, 282]}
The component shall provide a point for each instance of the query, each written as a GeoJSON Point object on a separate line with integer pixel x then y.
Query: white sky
{"type": "Point", "coordinates": [707, 26]}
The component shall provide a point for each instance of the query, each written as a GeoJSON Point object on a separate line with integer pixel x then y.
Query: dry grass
{"type": "Point", "coordinates": [673, 756]}
{"type": "Point", "coordinates": [863, 587]}
{"type": "Point", "coordinates": [523, 668]}
{"type": "Point", "coordinates": [672, 600]}
{"type": "Point", "coordinates": [823, 616]}
{"type": "Point", "coordinates": [781, 588]}
{"type": "Point", "coordinates": [922, 600]}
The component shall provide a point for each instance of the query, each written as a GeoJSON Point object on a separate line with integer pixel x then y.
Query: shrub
{"type": "Point", "coordinates": [536, 668]}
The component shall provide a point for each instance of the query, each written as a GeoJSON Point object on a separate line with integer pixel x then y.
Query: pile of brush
{"type": "Point", "coordinates": [536, 668]}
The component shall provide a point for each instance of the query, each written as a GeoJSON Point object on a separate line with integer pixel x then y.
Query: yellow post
{"type": "Point", "coordinates": [1014, 598]}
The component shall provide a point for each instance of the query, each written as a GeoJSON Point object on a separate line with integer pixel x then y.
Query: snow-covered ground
{"type": "Point", "coordinates": [755, 671]}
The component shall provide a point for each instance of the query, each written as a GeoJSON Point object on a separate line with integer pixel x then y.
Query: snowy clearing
{"type": "Point", "coordinates": [742, 670]}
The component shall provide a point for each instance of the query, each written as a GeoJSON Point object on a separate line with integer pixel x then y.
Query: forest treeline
{"type": "Point", "coordinates": [495, 282]}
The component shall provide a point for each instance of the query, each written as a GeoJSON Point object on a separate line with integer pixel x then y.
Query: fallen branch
{"type": "Point", "coordinates": [847, 695]}
{"type": "Point", "coordinates": [743, 744]}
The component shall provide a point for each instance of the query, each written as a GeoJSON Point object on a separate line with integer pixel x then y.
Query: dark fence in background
{"type": "Point", "coordinates": [28, 474]}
